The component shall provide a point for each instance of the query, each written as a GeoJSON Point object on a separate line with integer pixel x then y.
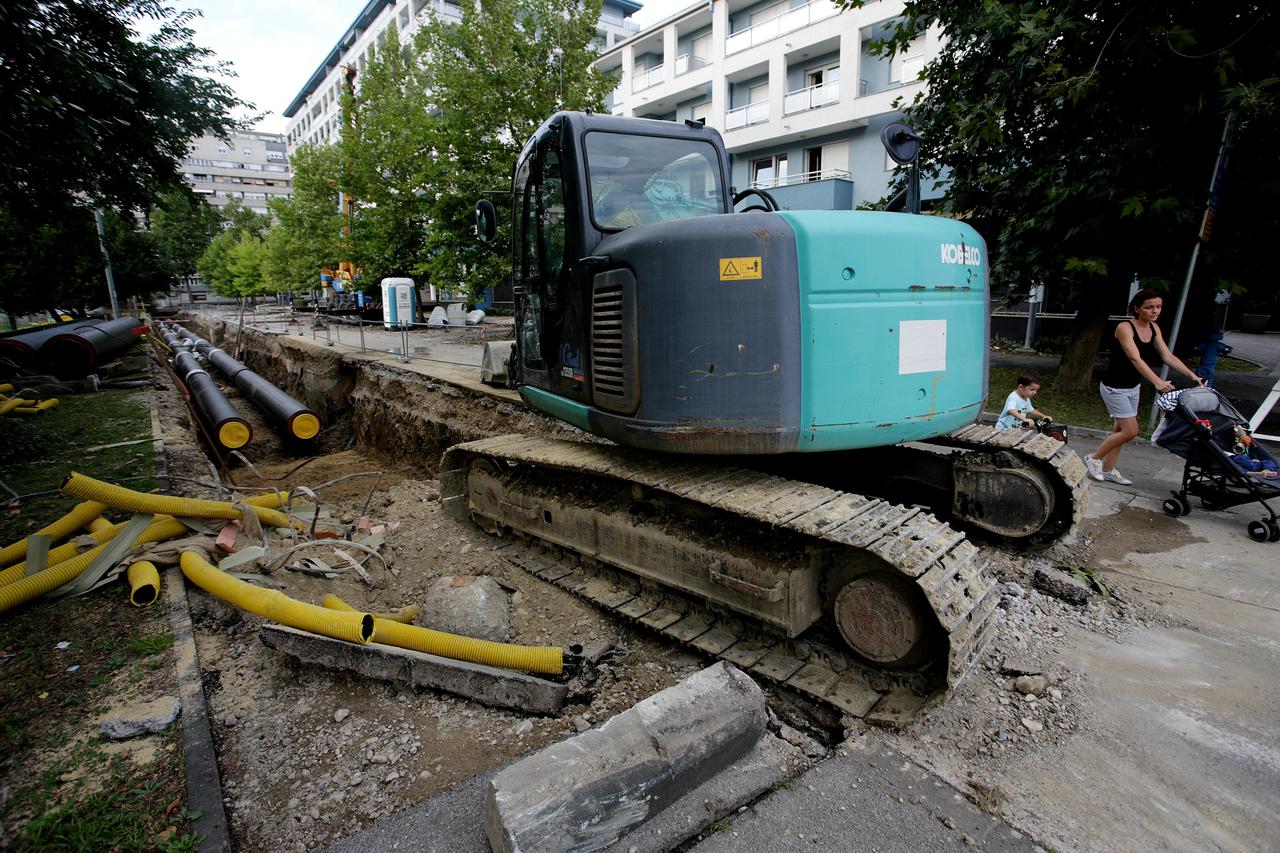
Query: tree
{"type": "Point", "coordinates": [1080, 137]}
{"type": "Point", "coordinates": [493, 79]}
{"type": "Point", "coordinates": [91, 116]}
{"type": "Point", "coordinates": [307, 235]}
{"type": "Point", "coordinates": [183, 225]}
{"type": "Point", "coordinates": [385, 140]}
{"type": "Point", "coordinates": [227, 267]}
{"type": "Point", "coordinates": [245, 264]}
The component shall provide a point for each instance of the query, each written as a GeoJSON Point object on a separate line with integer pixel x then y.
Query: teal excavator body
{"type": "Point", "coordinates": [649, 313]}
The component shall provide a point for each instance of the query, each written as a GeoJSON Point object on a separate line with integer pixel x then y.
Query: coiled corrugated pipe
{"type": "Point", "coordinates": [405, 615]}
{"type": "Point", "coordinates": [544, 659]}
{"type": "Point", "coordinates": [25, 589]}
{"type": "Point", "coordinates": [81, 515]}
{"type": "Point", "coordinates": [99, 524]}
{"type": "Point", "coordinates": [80, 486]}
{"type": "Point", "coordinates": [144, 583]}
{"type": "Point", "coordinates": [275, 605]}
{"type": "Point", "coordinates": [221, 419]}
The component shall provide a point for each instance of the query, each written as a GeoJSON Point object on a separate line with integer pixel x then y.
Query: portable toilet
{"type": "Point", "coordinates": [399, 302]}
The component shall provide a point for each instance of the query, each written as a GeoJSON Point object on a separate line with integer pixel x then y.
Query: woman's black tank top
{"type": "Point", "coordinates": [1120, 370]}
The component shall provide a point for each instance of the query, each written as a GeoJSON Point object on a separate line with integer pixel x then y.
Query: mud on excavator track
{"type": "Point", "coordinates": [767, 573]}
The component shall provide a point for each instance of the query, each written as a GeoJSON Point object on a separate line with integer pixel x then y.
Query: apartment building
{"type": "Point", "coordinates": [314, 114]}
{"type": "Point", "coordinates": [790, 85]}
{"type": "Point", "coordinates": [249, 167]}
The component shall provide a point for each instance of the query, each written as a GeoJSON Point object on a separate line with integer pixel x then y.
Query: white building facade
{"type": "Point", "coordinates": [315, 116]}
{"type": "Point", "coordinates": [250, 167]}
{"type": "Point", "coordinates": [790, 85]}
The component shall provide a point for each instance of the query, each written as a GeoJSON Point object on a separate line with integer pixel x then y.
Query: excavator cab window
{"type": "Point", "coordinates": [639, 179]}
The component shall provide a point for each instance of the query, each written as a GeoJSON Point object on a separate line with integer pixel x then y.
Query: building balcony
{"type": "Point", "coordinates": [641, 80]}
{"type": "Point", "coordinates": [830, 189]}
{"type": "Point", "coordinates": [787, 22]}
{"type": "Point", "coordinates": [686, 62]}
{"type": "Point", "coordinates": [810, 98]}
{"type": "Point", "coordinates": [746, 116]}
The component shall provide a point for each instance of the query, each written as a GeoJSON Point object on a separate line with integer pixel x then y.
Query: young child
{"type": "Point", "coordinates": [1018, 410]}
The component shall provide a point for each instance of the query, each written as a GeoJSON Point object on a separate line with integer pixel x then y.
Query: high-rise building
{"type": "Point", "coordinates": [791, 86]}
{"type": "Point", "coordinates": [314, 114]}
{"type": "Point", "coordinates": [250, 167]}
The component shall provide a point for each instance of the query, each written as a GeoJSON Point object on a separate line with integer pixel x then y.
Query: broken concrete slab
{"type": "Point", "coordinates": [1063, 585]}
{"type": "Point", "coordinates": [471, 606]}
{"type": "Point", "coordinates": [499, 688]}
{"type": "Point", "coordinates": [591, 790]}
{"type": "Point", "coordinates": [142, 718]}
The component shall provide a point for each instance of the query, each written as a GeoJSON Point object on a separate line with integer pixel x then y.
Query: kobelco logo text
{"type": "Point", "coordinates": [959, 253]}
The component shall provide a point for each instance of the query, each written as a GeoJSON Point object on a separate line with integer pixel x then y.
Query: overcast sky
{"type": "Point", "coordinates": [275, 46]}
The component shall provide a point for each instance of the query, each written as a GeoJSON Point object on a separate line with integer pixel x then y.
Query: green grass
{"type": "Point", "coordinates": [38, 452]}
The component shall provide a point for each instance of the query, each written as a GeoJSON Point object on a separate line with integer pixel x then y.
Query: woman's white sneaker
{"type": "Point", "coordinates": [1094, 466]}
{"type": "Point", "coordinates": [1114, 476]}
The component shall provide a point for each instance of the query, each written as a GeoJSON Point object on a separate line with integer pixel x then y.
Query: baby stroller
{"type": "Point", "coordinates": [1224, 466]}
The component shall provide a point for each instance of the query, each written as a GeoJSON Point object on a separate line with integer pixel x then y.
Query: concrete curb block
{"type": "Point", "coordinates": [500, 688]}
{"type": "Point", "coordinates": [204, 786]}
{"type": "Point", "coordinates": [591, 790]}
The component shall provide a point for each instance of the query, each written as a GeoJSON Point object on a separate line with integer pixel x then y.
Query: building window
{"type": "Point", "coordinates": [222, 149]}
{"type": "Point", "coordinates": [770, 171]}
{"type": "Point", "coordinates": [248, 152]}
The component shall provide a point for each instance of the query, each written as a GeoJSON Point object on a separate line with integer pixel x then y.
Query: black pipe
{"type": "Point", "coordinates": [287, 415]}
{"type": "Point", "coordinates": [21, 347]}
{"type": "Point", "coordinates": [220, 418]}
{"type": "Point", "coordinates": [84, 350]}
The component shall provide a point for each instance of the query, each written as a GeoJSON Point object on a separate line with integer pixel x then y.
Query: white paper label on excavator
{"type": "Point", "coordinates": [922, 346]}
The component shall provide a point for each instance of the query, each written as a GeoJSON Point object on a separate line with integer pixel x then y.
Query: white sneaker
{"type": "Point", "coordinates": [1114, 476]}
{"type": "Point", "coordinates": [1094, 466]}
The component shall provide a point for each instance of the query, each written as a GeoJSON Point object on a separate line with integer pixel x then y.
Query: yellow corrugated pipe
{"type": "Point", "coordinates": [80, 486]}
{"type": "Point", "coordinates": [9, 405]}
{"type": "Point", "coordinates": [544, 659]}
{"type": "Point", "coordinates": [144, 583]}
{"type": "Point", "coordinates": [25, 589]}
{"type": "Point", "coordinates": [405, 615]}
{"type": "Point", "coordinates": [275, 605]}
{"type": "Point", "coordinates": [105, 534]}
{"type": "Point", "coordinates": [99, 524]}
{"type": "Point", "coordinates": [59, 530]}
{"type": "Point", "coordinates": [5, 388]}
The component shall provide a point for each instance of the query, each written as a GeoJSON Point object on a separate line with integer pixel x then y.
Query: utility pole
{"type": "Point", "coordinates": [106, 259]}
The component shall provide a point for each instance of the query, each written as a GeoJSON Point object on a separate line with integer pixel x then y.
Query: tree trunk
{"type": "Point", "coordinates": [1075, 370]}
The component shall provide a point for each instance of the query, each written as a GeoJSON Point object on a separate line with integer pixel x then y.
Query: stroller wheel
{"type": "Point", "coordinates": [1172, 508]}
{"type": "Point", "coordinates": [1275, 530]}
{"type": "Point", "coordinates": [1259, 531]}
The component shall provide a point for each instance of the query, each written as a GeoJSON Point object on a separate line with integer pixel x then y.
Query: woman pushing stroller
{"type": "Point", "coordinates": [1137, 351]}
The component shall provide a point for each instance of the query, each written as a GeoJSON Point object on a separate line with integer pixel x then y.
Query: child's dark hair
{"type": "Point", "coordinates": [1142, 296]}
{"type": "Point", "coordinates": [1028, 377]}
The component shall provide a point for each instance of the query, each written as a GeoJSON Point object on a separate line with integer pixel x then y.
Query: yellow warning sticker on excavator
{"type": "Point", "coordinates": [739, 269]}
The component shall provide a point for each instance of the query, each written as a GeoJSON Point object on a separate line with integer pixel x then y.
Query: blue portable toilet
{"type": "Point", "coordinates": [399, 302]}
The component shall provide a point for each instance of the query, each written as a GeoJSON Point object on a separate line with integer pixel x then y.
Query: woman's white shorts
{"type": "Point", "coordinates": [1120, 402]}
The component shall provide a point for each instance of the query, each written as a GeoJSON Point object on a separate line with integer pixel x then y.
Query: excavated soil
{"type": "Point", "coordinates": [309, 755]}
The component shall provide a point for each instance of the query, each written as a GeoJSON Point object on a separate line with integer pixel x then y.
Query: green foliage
{"type": "Point", "coordinates": [95, 116]}
{"type": "Point", "coordinates": [183, 225]}
{"type": "Point", "coordinates": [151, 644]}
{"type": "Point", "coordinates": [234, 263]}
{"type": "Point", "coordinates": [1080, 137]}
{"type": "Point", "coordinates": [494, 78]}
{"type": "Point", "coordinates": [307, 234]}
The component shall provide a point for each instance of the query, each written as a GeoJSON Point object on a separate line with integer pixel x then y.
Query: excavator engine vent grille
{"type": "Point", "coordinates": [613, 349]}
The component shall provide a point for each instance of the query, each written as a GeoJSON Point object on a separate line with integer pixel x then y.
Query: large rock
{"type": "Point", "coordinates": [1062, 585]}
{"type": "Point", "coordinates": [470, 606]}
{"type": "Point", "coordinates": [587, 792]}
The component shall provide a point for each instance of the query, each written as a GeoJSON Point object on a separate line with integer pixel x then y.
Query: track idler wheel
{"type": "Point", "coordinates": [1002, 495]}
{"type": "Point", "coordinates": [885, 619]}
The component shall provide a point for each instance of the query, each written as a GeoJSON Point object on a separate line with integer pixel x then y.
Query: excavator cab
{"type": "Point", "coordinates": [648, 312]}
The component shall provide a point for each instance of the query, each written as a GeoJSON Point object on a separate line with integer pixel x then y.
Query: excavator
{"type": "Point", "coordinates": [779, 461]}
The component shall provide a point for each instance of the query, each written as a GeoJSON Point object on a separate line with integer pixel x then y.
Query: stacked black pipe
{"type": "Point", "coordinates": [73, 353]}
{"type": "Point", "coordinates": [292, 419]}
{"type": "Point", "coordinates": [221, 420]}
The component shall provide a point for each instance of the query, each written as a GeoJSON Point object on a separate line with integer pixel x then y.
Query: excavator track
{"type": "Point", "coordinates": [1060, 469]}
{"type": "Point", "coordinates": [778, 615]}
